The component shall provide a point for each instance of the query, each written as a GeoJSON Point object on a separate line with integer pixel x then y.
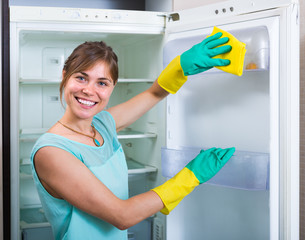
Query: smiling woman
{"type": "Point", "coordinates": [79, 166]}
{"type": "Point", "coordinates": [85, 57]}
{"type": "Point", "coordinates": [88, 92]}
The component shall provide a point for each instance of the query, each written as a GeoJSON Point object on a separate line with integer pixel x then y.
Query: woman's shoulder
{"type": "Point", "coordinates": [105, 120]}
{"type": "Point", "coordinates": [49, 141]}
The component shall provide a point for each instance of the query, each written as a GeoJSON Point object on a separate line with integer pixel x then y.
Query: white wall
{"type": "Point", "coordinates": [159, 5]}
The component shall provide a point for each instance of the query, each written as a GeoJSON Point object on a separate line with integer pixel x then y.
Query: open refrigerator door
{"type": "Point", "coordinates": [247, 199]}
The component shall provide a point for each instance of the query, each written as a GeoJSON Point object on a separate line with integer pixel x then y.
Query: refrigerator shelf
{"type": "Point", "coordinates": [135, 167]}
{"type": "Point", "coordinates": [31, 135]}
{"type": "Point", "coordinates": [25, 225]}
{"type": "Point", "coordinates": [24, 176]}
{"type": "Point", "coordinates": [32, 218]}
{"type": "Point", "coordinates": [135, 80]}
{"type": "Point", "coordinates": [41, 81]}
{"type": "Point", "coordinates": [129, 134]}
{"type": "Point", "coordinates": [245, 170]}
{"type": "Point", "coordinates": [32, 131]}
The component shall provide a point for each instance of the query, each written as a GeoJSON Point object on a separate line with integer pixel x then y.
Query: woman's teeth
{"type": "Point", "coordinates": [85, 102]}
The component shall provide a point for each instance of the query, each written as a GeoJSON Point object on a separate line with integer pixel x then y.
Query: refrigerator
{"type": "Point", "coordinates": [256, 195]}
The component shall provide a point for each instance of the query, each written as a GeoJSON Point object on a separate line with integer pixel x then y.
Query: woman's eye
{"type": "Point", "coordinates": [102, 84]}
{"type": "Point", "coordinates": [80, 78]}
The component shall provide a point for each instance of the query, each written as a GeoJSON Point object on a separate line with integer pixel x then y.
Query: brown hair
{"type": "Point", "coordinates": [86, 56]}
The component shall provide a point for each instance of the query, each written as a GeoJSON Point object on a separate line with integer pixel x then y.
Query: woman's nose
{"type": "Point", "coordinates": [88, 89]}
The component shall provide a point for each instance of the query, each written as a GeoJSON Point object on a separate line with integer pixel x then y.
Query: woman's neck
{"type": "Point", "coordinates": [82, 125]}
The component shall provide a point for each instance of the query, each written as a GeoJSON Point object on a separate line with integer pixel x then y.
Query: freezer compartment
{"type": "Point", "coordinates": [245, 170]}
{"type": "Point", "coordinates": [43, 53]}
{"type": "Point", "coordinates": [256, 40]}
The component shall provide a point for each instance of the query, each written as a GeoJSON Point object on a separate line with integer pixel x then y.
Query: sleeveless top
{"type": "Point", "coordinates": [107, 163]}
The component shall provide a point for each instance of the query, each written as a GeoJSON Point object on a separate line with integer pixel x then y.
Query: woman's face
{"type": "Point", "coordinates": [87, 93]}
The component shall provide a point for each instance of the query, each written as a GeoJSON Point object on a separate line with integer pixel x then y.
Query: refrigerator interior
{"type": "Point", "coordinates": [217, 109]}
{"type": "Point", "coordinates": [41, 55]}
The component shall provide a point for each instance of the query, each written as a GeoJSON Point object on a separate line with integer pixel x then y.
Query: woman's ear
{"type": "Point", "coordinates": [63, 74]}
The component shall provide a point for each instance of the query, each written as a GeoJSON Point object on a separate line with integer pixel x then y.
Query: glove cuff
{"type": "Point", "coordinates": [175, 189]}
{"type": "Point", "coordinates": [172, 77]}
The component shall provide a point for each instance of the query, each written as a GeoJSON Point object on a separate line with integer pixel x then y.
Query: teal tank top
{"type": "Point", "coordinates": [107, 163]}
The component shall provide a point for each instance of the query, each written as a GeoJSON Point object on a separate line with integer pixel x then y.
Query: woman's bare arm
{"type": "Point", "coordinates": [128, 112]}
{"type": "Point", "coordinates": [66, 177]}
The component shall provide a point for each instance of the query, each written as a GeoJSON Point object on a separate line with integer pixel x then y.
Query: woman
{"type": "Point", "coordinates": [79, 166]}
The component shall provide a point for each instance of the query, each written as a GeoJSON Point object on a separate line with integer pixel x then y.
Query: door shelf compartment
{"type": "Point", "coordinates": [255, 38]}
{"type": "Point", "coordinates": [245, 170]}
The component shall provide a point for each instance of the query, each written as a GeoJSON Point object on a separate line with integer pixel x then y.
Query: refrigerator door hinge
{"type": "Point", "coordinates": [171, 17]}
{"type": "Point", "coordinates": [295, 8]}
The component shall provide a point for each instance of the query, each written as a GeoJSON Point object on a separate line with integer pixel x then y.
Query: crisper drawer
{"type": "Point", "coordinates": [38, 233]}
{"type": "Point", "coordinates": [34, 224]}
{"type": "Point", "coordinates": [245, 170]}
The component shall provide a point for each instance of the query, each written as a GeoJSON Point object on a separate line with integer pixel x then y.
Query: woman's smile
{"type": "Point", "coordinates": [85, 102]}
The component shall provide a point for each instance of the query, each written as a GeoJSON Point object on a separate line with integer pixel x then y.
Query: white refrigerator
{"type": "Point", "coordinates": [256, 195]}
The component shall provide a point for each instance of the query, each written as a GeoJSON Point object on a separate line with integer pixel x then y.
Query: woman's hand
{"type": "Point", "coordinates": [198, 59]}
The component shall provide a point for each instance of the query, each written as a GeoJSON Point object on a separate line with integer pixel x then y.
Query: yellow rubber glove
{"type": "Point", "coordinates": [195, 60]}
{"type": "Point", "coordinates": [197, 171]}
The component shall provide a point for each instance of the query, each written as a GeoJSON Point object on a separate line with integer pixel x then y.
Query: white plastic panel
{"type": "Point", "coordinates": [52, 62]}
{"type": "Point", "coordinates": [52, 109]}
{"type": "Point", "coordinates": [30, 107]}
{"type": "Point", "coordinates": [221, 109]}
{"type": "Point", "coordinates": [216, 213]}
{"type": "Point", "coordinates": [217, 109]}
{"type": "Point", "coordinates": [40, 107]}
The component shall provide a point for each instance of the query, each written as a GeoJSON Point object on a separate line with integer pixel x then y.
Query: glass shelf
{"type": "Point", "coordinates": [30, 135]}
{"type": "Point", "coordinates": [29, 81]}
{"type": "Point", "coordinates": [245, 170]}
{"type": "Point", "coordinates": [33, 217]}
{"type": "Point", "coordinates": [129, 134]}
{"type": "Point", "coordinates": [135, 80]}
{"type": "Point", "coordinates": [135, 167]}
